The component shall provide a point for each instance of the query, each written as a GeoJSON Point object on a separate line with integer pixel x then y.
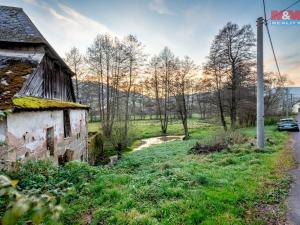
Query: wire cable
{"type": "Point", "coordinates": [271, 42]}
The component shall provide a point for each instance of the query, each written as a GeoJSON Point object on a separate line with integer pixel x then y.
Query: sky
{"type": "Point", "coordinates": [187, 27]}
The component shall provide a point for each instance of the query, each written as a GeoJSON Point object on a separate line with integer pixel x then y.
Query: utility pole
{"type": "Point", "coordinates": [287, 105]}
{"type": "Point", "coordinates": [291, 103]}
{"type": "Point", "coordinates": [260, 132]}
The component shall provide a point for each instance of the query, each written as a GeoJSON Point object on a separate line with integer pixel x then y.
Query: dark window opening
{"type": "Point", "coordinates": [50, 140]}
{"type": "Point", "coordinates": [61, 161]}
{"type": "Point", "coordinates": [67, 157]}
{"type": "Point", "coordinates": [67, 124]}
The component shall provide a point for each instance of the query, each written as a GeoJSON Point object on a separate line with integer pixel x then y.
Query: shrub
{"type": "Point", "coordinates": [76, 172]}
{"type": "Point", "coordinates": [218, 142]}
{"type": "Point", "coordinates": [204, 149]}
{"type": "Point", "coordinates": [34, 174]}
{"type": "Point", "coordinates": [39, 177]}
{"type": "Point", "coordinates": [272, 120]}
{"type": "Point", "coordinates": [20, 207]}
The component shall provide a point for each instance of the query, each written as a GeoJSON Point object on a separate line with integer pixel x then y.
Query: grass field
{"type": "Point", "coordinates": [140, 129]}
{"type": "Point", "coordinates": [165, 185]}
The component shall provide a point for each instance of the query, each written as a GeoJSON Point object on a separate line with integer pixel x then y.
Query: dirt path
{"type": "Point", "coordinates": [294, 196]}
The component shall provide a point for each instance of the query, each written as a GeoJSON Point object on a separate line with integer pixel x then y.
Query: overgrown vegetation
{"type": "Point", "coordinates": [102, 148]}
{"type": "Point", "coordinates": [19, 207]}
{"type": "Point", "coordinates": [219, 141]}
{"type": "Point", "coordinates": [163, 184]}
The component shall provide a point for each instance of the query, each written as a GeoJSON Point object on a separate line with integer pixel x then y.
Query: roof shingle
{"type": "Point", "coordinates": [16, 26]}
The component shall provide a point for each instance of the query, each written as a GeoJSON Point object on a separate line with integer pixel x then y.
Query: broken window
{"type": "Point", "coordinates": [67, 124]}
{"type": "Point", "coordinates": [50, 140]}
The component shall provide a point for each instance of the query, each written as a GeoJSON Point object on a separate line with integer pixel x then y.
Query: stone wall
{"type": "Point", "coordinates": [27, 135]}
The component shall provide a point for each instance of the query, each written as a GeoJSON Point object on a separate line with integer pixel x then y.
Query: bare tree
{"type": "Point", "coordinates": [100, 58]}
{"type": "Point", "coordinates": [153, 83]}
{"type": "Point", "coordinates": [75, 61]}
{"type": "Point", "coordinates": [236, 51]}
{"type": "Point", "coordinates": [185, 70]}
{"type": "Point", "coordinates": [167, 70]}
{"type": "Point", "coordinates": [134, 61]}
{"type": "Point", "coordinates": [214, 73]}
{"type": "Point", "coordinates": [273, 92]}
{"type": "Point", "coordinates": [161, 69]}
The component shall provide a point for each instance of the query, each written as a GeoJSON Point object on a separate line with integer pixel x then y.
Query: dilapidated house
{"type": "Point", "coordinates": [39, 116]}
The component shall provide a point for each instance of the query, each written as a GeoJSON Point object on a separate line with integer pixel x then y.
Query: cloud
{"type": "Point", "coordinates": [33, 2]}
{"type": "Point", "coordinates": [288, 64]}
{"type": "Point", "coordinates": [76, 21]}
{"type": "Point", "coordinates": [160, 7]}
{"type": "Point", "coordinates": [64, 27]}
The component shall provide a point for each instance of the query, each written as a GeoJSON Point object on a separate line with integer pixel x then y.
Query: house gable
{"type": "Point", "coordinates": [49, 81]}
{"type": "Point", "coordinates": [22, 73]}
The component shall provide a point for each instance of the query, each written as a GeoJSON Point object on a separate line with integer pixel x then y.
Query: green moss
{"type": "Point", "coordinates": [41, 103]}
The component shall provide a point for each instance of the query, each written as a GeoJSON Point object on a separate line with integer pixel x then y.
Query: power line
{"type": "Point", "coordinates": [271, 42]}
{"type": "Point", "coordinates": [273, 51]}
{"type": "Point", "coordinates": [290, 6]}
{"type": "Point", "coordinates": [265, 13]}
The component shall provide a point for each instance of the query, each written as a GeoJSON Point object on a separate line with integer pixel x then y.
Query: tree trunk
{"type": "Point", "coordinates": [233, 99]}
{"type": "Point", "coordinates": [184, 118]}
{"type": "Point", "coordinates": [127, 103]}
{"type": "Point", "coordinates": [221, 111]}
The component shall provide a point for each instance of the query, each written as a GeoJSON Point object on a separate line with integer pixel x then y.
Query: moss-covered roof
{"type": "Point", "coordinates": [34, 103]}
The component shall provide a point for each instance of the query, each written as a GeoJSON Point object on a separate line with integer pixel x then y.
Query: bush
{"type": "Point", "coordinates": [18, 207]}
{"type": "Point", "coordinates": [219, 141]}
{"type": "Point", "coordinates": [39, 177]}
{"type": "Point", "coordinates": [76, 172]}
{"type": "Point", "coordinates": [272, 120]}
{"type": "Point", "coordinates": [34, 174]}
{"type": "Point", "coordinates": [227, 138]}
{"type": "Point", "coordinates": [204, 149]}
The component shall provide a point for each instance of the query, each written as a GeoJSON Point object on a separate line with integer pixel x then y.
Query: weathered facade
{"type": "Point", "coordinates": [39, 116]}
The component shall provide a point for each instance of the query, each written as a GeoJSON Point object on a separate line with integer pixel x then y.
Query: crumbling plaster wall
{"type": "Point", "coordinates": [3, 129]}
{"type": "Point", "coordinates": [26, 134]}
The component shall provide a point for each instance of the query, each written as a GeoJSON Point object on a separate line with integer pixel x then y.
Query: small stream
{"type": "Point", "coordinates": [147, 142]}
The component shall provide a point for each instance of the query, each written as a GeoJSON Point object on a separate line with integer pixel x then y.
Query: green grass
{"type": "Point", "coordinates": [150, 128]}
{"type": "Point", "coordinates": [164, 185]}
{"type": "Point", "coordinates": [140, 129]}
